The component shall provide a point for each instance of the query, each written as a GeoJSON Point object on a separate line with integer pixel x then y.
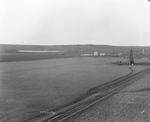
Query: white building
{"type": "Point", "coordinates": [120, 54]}
{"type": "Point", "coordinates": [95, 53]}
{"type": "Point", "coordinates": [102, 54]}
{"type": "Point", "coordinates": [86, 55]}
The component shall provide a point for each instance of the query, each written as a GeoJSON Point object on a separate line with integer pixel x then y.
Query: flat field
{"type": "Point", "coordinates": [28, 87]}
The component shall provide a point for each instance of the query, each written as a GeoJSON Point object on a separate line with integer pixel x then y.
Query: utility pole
{"type": "Point", "coordinates": [131, 58]}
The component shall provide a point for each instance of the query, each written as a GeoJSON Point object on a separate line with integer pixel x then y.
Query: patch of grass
{"type": "Point", "coordinates": [47, 84]}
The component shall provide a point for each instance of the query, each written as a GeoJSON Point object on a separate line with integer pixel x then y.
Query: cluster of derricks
{"type": "Point", "coordinates": [131, 61]}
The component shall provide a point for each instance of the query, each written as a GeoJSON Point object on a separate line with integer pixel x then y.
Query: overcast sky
{"type": "Point", "coordinates": [56, 22]}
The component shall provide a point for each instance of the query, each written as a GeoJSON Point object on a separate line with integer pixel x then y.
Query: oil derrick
{"type": "Point", "coordinates": [143, 51]}
{"type": "Point", "coordinates": [131, 58]}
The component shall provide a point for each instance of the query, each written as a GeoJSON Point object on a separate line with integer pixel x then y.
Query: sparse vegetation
{"type": "Point", "coordinates": [34, 86]}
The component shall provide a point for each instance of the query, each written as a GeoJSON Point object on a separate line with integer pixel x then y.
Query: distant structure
{"type": "Point", "coordinates": [131, 58]}
{"type": "Point", "coordinates": [86, 55]}
{"type": "Point", "coordinates": [95, 53]}
{"type": "Point", "coordinates": [114, 55]}
{"type": "Point", "coordinates": [102, 54]}
{"type": "Point", "coordinates": [119, 61]}
{"type": "Point", "coordinates": [120, 54]}
{"type": "Point", "coordinates": [143, 51]}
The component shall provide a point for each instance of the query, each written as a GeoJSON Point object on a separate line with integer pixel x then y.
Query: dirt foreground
{"type": "Point", "coordinates": [132, 104]}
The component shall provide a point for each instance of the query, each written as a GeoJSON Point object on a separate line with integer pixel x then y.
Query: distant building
{"type": "Point", "coordinates": [39, 51]}
{"type": "Point", "coordinates": [120, 54]}
{"type": "Point", "coordinates": [108, 54]}
{"type": "Point", "coordinates": [115, 55]}
{"type": "Point", "coordinates": [119, 61]}
{"type": "Point", "coordinates": [95, 53]}
{"type": "Point", "coordinates": [86, 55]}
{"type": "Point", "coordinates": [102, 54]}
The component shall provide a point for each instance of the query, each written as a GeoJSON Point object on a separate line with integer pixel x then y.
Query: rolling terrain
{"type": "Point", "coordinates": [9, 53]}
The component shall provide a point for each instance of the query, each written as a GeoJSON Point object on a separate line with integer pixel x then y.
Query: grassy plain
{"type": "Point", "coordinates": [28, 87]}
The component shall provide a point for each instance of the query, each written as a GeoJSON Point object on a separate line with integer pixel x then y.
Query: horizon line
{"type": "Point", "coordinates": [75, 45]}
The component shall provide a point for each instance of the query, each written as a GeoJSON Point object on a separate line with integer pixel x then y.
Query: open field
{"type": "Point", "coordinates": [28, 87]}
{"type": "Point", "coordinates": [13, 57]}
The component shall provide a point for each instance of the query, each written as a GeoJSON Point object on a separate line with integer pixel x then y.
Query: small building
{"type": "Point", "coordinates": [102, 54]}
{"type": "Point", "coordinates": [86, 55]}
{"type": "Point", "coordinates": [115, 55]}
{"type": "Point", "coordinates": [120, 54]}
{"type": "Point", "coordinates": [95, 53]}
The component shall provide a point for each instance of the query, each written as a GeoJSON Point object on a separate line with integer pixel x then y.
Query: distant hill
{"type": "Point", "coordinates": [11, 52]}
{"type": "Point", "coordinates": [72, 48]}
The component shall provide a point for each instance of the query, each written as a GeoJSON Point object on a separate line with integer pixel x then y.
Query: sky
{"type": "Point", "coordinates": [65, 22]}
